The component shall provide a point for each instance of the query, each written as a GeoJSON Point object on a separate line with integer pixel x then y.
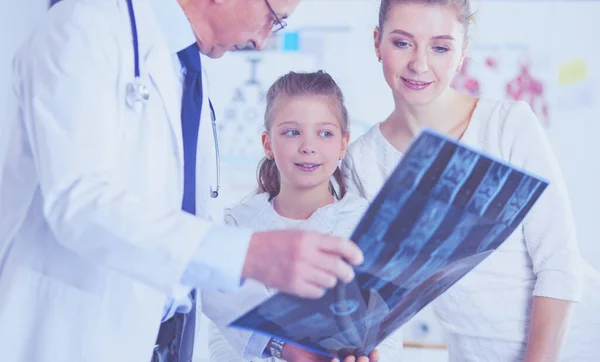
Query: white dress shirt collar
{"type": "Point", "coordinates": [175, 26]}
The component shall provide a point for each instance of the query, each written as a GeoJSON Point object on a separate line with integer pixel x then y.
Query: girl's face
{"type": "Point", "coordinates": [421, 48]}
{"type": "Point", "coordinates": [306, 139]}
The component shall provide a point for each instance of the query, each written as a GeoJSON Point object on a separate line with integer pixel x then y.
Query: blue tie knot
{"type": "Point", "coordinates": [190, 58]}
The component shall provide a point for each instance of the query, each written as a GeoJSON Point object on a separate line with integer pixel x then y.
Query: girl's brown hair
{"type": "Point", "coordinates": [300, 84]}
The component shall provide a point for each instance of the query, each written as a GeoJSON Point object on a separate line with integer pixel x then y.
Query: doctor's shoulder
{"type": "Point", "coordinates": [70, 21]}
{"type": "Point", "coordinates": [247, 213]}
{"type": "Point", "coordinates": [74, 39]}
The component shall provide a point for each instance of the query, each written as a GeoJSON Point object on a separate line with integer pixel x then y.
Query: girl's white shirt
{"type": "Point", "coordinates": [257, 213]}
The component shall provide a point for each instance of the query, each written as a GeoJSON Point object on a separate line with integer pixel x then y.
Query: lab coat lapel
{"type": "Point", "coordinates": [205, 155]}
{"type": "Point", "coordinates": [162, 75]}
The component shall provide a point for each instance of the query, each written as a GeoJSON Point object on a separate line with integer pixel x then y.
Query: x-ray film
{"type": "Point", "coordinates": [442, 211]}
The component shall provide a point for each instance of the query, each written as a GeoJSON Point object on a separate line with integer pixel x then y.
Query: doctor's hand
{"type": "Point", "coordinates": [291, 353]}
{"type": "Point", "coordinates": [300, 262]}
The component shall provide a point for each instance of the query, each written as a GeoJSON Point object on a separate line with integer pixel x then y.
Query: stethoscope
{"type": "Point", "coordinates": [137, 94]}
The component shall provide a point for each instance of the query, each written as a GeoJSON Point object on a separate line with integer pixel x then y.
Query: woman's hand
{"type": "Point", "coordinates": [291, 353]}
{"type": "Point", "coordinates": [373, 357]}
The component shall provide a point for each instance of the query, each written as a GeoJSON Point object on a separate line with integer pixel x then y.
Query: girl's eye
{"type": "Point", "coordinates": [291, 132]}
{"type": "Point", "coordinates": [325, 134]}
{"type": "Point", "coordinates": [440, 49]}
{"type": "Point", "coordinates": [402, 44]}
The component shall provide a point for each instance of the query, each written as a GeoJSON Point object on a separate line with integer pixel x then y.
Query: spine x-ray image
{"type": "Point", "coordinates": [442, 211]}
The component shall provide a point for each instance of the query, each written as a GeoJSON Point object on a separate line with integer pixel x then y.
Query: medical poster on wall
{"type": "Point", "coordinates": [508, 71]}
{"type": "Point", "coordinates": [443, 210]}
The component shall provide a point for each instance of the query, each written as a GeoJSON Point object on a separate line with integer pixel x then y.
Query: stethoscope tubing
{"type": "Point", "coordinates": [136, 72]}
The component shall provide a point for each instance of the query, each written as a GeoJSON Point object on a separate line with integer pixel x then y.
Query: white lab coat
{"type": "Point", "coordinates": [92, 236]}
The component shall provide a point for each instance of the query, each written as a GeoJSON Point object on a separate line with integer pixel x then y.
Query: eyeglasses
{"type": "Point", "coordinates": [278, 24]}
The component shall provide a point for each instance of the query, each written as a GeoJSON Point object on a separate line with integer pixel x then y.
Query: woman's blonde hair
{"type": "Point", "coordinates": [462, 7]}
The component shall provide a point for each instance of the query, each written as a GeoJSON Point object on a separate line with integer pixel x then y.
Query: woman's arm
{"type": "Point", "coordinates": [550, 237]}
{"type": "Point", "coordinates": [548, 326]}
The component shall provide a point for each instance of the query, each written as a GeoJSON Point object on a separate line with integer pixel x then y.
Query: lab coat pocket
{"type": "Point", "coordinates": [61, 328]}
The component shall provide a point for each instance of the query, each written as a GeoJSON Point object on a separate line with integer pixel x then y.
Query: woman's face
{"type": "Point", "coordinates": [421, 47]}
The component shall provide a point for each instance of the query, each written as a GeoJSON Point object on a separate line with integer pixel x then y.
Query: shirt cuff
{"type": "Point", "coordinates": [219, 260]}
{"type": "Point", "coordinates": [179, 303]}
{"type": "Point", "coordinates": [169, 310]}
{"type": "Point", "coordinates": [257, 343]}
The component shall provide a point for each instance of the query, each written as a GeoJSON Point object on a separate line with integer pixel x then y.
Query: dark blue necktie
{"type": "Point", "coordinates": [175, 342]}
{"type": "Point", "coordinates": [191, 106]}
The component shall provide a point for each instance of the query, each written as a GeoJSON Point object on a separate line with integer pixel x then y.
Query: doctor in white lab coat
{"type": "Point", "coordinates": [92, 236]}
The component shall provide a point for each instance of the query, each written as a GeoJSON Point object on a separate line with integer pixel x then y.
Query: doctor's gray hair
{"type": "Point", "coordinates": [462, 7]}
{"type": "Point", "coordinates": [295, 84]}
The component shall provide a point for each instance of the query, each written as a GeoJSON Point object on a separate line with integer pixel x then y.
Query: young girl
{"type": "Point", "coordinates": [306, 135]}
{"type": "Point", "coordinates": [516, 304]}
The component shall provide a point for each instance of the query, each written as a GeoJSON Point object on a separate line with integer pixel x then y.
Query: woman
{"type": "Point", "coordinates": [516, 304]}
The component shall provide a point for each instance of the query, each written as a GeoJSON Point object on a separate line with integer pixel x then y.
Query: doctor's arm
{"type": "Point", "coordinates": [75, 120]}
{"type": "Point", "coordinates": [74, 108]}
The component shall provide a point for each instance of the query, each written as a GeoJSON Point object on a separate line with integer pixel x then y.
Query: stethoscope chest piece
{"type": "Point", "coordinates": [136, 94]}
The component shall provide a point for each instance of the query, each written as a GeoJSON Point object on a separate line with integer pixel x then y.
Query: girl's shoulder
{"type": "Point", "coordinates": [351, 202]}
{"type": "Point", "coordinates": [248, 211]}
{"type": "Point", "coordinates": [343, 215]}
